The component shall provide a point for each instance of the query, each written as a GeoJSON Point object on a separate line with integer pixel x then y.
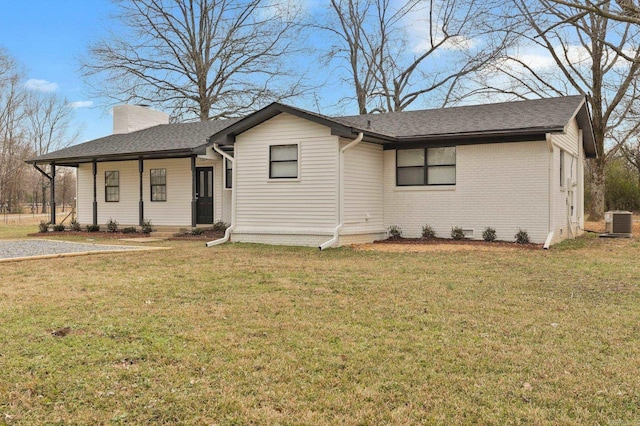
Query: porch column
{"type": "Point", "coordinates": [95, 193]}
{"type": "Point", "coordinates": [53, 193]}
{"type": "Point", "coordinates": [141, 202]}
{"type": "Point", "coordinates": [194, 196]}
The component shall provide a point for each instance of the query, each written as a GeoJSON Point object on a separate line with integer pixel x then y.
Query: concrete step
{"type": "Point", "coordinates": [166, 231]}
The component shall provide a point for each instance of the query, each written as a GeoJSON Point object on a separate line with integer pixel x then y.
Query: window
{"type": "Point", "coordinates": [158, 179]}
{"type": "Point", "coordinates": [426, 166]}
{"type": "Point", "coordinates": [562, 172]}
{"type": "Point", "coordinates": [228, 174]}
{"type": "Point", "coordinates": [112, 186]}
{"type": "Point", "coordinates": [283, 161]}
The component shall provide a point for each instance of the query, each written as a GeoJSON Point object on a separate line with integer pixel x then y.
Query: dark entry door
{"type": "Point", "coordinates": [204, 193]}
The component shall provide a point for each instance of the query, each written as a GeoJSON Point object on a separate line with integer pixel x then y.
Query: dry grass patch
{"type": "Point", "coordinates": [242, 334]}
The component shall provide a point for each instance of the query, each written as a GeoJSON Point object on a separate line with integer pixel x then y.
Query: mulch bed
{"type": "Point", "coordinates": [440, 241]}
{"type": "Point", "coordinates": [207, 235]}
{"type": "Point", "coordinates": [97, 234]}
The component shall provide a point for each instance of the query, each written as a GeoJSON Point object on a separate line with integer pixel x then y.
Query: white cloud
{"type": "Point", "coordinates": [41, 85]}
{"type": "Point", "coordinates": [81, 104]}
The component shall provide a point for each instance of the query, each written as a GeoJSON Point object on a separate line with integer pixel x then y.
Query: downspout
{"type": "Point", "coordinates": [547, 242]}
{"type": "Point", "coordinates": [227, 233]}
{"type": "Point", "coordinates": [336, 231]}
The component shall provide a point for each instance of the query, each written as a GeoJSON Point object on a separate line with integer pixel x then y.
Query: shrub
{"type": "Point", "coordinates": [93, 228]}
{"type": "Point", "coordinates": [457, 233]}
{"type": "Point", "coordinates": [220, 226]}
{"type": "Point", "coordinates": [428, 232]}
{"type": "Point", "coordinates": [43, 226]}
{"type": "Point", "coordinates": [75, 226]}
{"type": "Point", "coordinates": [197, 231]}
{"type": "Point", "coordinates": [522, 237]}
{"type": "Point", "coordinates": [146, 226]}
{"type": "Point", "coordinates": [112, 225]}
{"type": "Point", "coordinates": [394, 231]}
{"type": "Point", "coordinates": [489, 234]}
{"type": "Point", "coordinates": [129, 230]}
{"type": "Point", "coordinates": [58, 228]}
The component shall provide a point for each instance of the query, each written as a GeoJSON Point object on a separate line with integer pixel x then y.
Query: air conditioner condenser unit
{"type": "Point", "coordinates": [618, 224]}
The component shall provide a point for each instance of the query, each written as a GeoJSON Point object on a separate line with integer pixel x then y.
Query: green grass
{"type": "Point", "coordinates": [250, 334]}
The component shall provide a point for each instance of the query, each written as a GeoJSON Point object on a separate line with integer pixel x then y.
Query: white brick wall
{"type": "Point", "coordinates": [504, 186]}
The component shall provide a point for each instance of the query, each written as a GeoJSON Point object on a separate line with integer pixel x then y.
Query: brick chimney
{"type": "Point", "coordinates": [129, 118]}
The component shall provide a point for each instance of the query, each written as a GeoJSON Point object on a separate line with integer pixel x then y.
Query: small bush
{"type": "Point", "coordinates": [58, 228]}
{"type": "Point", "coordinates": [129, 230]}
{"type": "Point", "coordinates": [112, 225]}
{"type": "Point", "coordinates": [428, 232]}
{"type": "Point", "coordinates": [93, 228]}
{"type": "Point", "coordinates": [394, 231]}
{"type": "Point", "coordinates": [457, 233]}
{"type": "Point", "coordinates": [522, 237]}
{"type": "Point", "coordinates": [43, 226]}
{"type": "Point", "coordinates": [75, 226]}
{"type": "Point", "coordinates": [489, 234]}
{"type": "Point", "coordinates": [197, 231]}
{"type": "Point", "coordinates": [146, 226]}
{"type": "Point", "coordinates": [220, 226]}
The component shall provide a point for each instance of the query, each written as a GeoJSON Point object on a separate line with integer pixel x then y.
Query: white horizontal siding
{"type": "Point", "coordinates": [363, 189]}
{"type": "Point", "coordinates": [307, 203]}
{"type": "Point", "coordinates": [84, 194]}
{"type": "Point", "coordinates": [504, 186]}
{"type": "Point", "coordinates": [176, 211]}
{"type": "Point", "coordinates": [569, 140]}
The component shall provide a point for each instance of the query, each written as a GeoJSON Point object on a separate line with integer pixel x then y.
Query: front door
{"type": "Point", "coordinates": [204, 194]}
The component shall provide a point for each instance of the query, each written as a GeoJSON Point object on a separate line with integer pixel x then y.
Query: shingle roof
{"type": "Point", "coordinates": [169, 138]}
{"type": "Point", "coordinates": [497, 117]}
{"type": "Point", "coordinates": [538, 116]}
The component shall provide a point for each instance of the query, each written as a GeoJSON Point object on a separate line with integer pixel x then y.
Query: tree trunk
{"type": "Point", "coordinates": [597, 187]}
{"type": "Point", "coordinates": [44, 198]}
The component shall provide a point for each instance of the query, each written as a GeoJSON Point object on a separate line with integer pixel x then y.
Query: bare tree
{"type": "Point", "coordinates": [587, 53]}
{"type": "Point", "coordinates": [197, 58]}
{"type": "Point", "coordinates": [48, 127]}
{"type": "Point", "coordinates": [397, 55]}
{"type": "Point", "coordinates": [13, 148]}
{"type": "Point", "coordinates": [619, 10]}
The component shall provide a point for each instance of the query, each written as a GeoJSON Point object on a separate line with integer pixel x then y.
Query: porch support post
{"type": "Point", "coordinates": [53, 193]}
{"type": "Point", "coordinates": [95, 193]}
{"type": "Point", "coordinates": [194, 196]}
{"type": "Point", "coordinates": [141, 202]}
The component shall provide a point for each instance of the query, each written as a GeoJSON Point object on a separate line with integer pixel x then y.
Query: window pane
{"type": "Point", "coordinates": [158, 193]}
{"type": "Point", "coordinates": [411, 176]}
{"type": "Point", "coordinates": [442, 175]}
{"type": "Point", "coordinates": [158, 176]}
{"type": "Point", "coordinates": [111, 178]}
{"type": "Point", "coordinates": [210, 184]}
{"type": "Point", "coordinates": [410, 157]}
{"type": "Point", "coordinates": [437, 156]}
{"type": "Point", "coordinates": [288, 169]}
{"type": "Point", "coordinates": [284, 153]}
{"type": "Point", "coordinates": [112, 193]}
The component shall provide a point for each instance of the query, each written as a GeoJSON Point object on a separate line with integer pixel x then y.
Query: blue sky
{"type": "Point", "coordinates": [46, 37]}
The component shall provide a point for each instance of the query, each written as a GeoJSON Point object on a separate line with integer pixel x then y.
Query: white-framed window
{"type": "Point", "coordinates": [562, 171]}
{"type": "Point", "coordinates": [158, 180]}
{"type": "Point", "coordinates": [283, 161]}
{"type": "Point", "coordinates": [112, 186]}
{"type": "Point", "coordinates": [426, 166]}
{"type": "Point", "coordinates": [228, 174]}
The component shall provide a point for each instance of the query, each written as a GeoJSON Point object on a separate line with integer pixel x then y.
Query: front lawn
{"type": "Point", "coordinates": [250, 334]}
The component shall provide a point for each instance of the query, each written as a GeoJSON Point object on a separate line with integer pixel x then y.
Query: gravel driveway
{"type": "Point", "coordinates": [21, 249]}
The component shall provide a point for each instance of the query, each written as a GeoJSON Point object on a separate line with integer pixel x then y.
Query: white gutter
{"type": "Point", "coordinates": [547, 242]}
{"type": "Point", "coordinates": [227, 233]}
{"type": "Point", "coordinates": [336, 231]}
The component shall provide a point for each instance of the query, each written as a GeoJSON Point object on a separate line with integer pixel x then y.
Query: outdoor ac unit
{"type": "Point", "coordinates": [618, 223]}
